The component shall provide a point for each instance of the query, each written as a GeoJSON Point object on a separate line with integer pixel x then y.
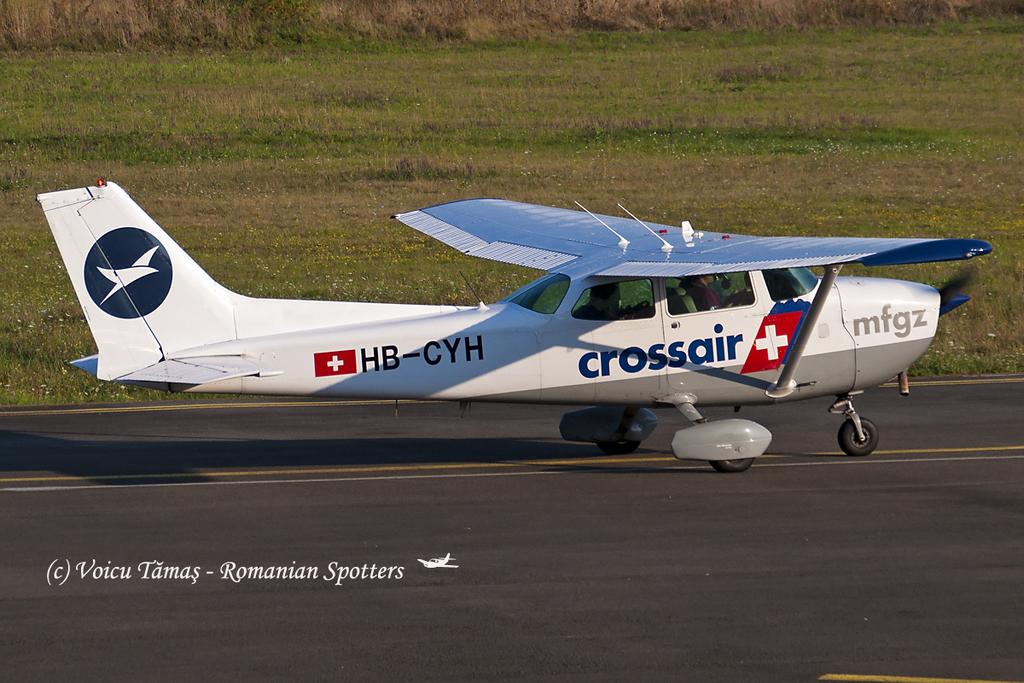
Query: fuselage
{"type": "Point", "coordinates": [530, 349]}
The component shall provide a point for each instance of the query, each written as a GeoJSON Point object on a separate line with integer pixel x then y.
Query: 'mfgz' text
{"type": "Point", "coordinates": [899, 323]}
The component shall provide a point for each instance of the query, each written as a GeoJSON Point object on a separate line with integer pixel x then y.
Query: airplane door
{"type": "Point", "coordinates": [625, 340]}
{"type": "Point", "coordinates": [710, 322]}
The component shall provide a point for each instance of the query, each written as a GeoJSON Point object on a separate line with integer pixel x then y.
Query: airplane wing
{"type": "Point", "coordinates": [574, 242]}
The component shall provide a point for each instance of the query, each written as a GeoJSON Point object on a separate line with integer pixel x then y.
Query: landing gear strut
{"type": "Point", "coordinates": [857, 435]}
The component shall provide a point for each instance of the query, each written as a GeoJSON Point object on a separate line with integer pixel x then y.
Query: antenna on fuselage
{"type": "Point", "coordinates": [482, 306]}
{"type": "Point", "coordinates": [623, 242]}
{"type": "Point", "coordinates": [665, 246]}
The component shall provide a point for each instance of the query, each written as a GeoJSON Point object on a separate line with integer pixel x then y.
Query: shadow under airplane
{"type": "Point", "coordinates": [114, 462]}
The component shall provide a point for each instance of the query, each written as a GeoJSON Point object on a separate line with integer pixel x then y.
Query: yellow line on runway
{"type": "Point", "coordinates": [197, 406]}
{"type": "Point", "coordinates": [357, 469]}
{"type": "Point", "coordinates": [469, 475]}
{"type": "Point", "coordinates": [869, 678]}
{"type": "Point", "coordinates": [597, 461]}
{"type": "Point", "coordinates": [953, 382]}
{"type": "Point", "coordinates": [906, 451]}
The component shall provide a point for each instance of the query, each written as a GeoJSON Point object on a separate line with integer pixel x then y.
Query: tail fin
{"type": "Point", "coordinates": [143, 296]}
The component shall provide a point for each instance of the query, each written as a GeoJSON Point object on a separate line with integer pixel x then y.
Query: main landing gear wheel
{"type": "Point", "coordinates": [618, 447]}
{"type": "Point", "coordinates": [852, 445]}
{"type": "Point", "coordinates": [738, 465]}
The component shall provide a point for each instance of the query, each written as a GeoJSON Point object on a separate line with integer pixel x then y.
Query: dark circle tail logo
{"type": "Point", "coordinates": [128, 273]}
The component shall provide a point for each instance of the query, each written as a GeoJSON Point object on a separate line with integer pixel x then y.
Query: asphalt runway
{"type": "Point", "coordinates": [571, 565]}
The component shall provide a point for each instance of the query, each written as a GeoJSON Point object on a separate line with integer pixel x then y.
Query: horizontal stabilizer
{"type": "Point", "coordinates": [88, 364]}
{"type": "Point", "coordinates": [194, 371]}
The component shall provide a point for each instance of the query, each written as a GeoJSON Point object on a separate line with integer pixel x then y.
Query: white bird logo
{"type": "Point", "coordinates": [122, 277]}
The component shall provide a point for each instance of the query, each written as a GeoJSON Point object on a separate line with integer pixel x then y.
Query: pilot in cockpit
{"type": "Point", "coordinates": [603, 303]}
{"type": "Point", "coordinates": [704, 296]}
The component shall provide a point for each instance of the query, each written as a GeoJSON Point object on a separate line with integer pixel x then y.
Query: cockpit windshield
{"type": "Point", "coordinates": [789, 283]}
{"type": "Point", "coordinates": [544, 296]}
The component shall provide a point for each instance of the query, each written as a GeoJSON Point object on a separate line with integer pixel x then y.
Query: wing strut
{"type": "Point", "coordinates": [784, 385]}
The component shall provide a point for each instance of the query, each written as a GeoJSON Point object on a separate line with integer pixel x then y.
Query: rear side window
{"type": "Point", "coordinates": [545, 296]}
{"type": "Point", "coordinates": [789, 283]}
{"type": "Point", "coordinates": [625, 300]}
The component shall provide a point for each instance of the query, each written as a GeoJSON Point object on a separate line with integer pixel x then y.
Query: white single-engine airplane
{"type": "Point", "coordinates": [439, 562]}
{"type": "Point", "coordinates": [631, 316]}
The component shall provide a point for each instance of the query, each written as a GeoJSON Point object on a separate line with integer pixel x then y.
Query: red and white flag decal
{"type": "Point", "coordinates": [772, 341]}
{"type": "Point", "coordinates": [331, 363]}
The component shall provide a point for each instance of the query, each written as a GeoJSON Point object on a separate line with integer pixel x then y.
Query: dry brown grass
{"type": "Point", "coordinates": [138, 24]}
{"type": "Point", "coordinates": [496, 18]}
{"type": "Point", "coordinates": [36, 24]}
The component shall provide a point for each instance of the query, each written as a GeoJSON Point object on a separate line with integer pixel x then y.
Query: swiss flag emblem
{"type": "Point", "coordinates": [772, 341]}
{"type": "Point", "coordinates": [331, 363]}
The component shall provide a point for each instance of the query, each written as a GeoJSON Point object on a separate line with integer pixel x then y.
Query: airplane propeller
{"type": "Point", "coordinates": [951, 294]}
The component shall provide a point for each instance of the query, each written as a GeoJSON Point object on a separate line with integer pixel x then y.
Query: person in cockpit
{"type": "Point", "coordinates": [704, 296]}
{"type": "Point", "coordinates": [603, 303]}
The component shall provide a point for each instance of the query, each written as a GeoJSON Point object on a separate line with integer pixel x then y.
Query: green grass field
{"type": "Point", "coordinates": [278, 168]}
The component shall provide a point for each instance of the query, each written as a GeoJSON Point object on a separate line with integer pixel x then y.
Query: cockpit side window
{"type": "Point", "coordinates": [624, 300]}
{"type": "Point", "coordinates": [699, 293]}
{"type": "Point", "coordinates": [545, 296]}
{"type": "Point", "coordinates": [789, 283]}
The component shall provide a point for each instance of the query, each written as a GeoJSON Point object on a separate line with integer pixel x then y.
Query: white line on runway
{"type": "Point", "coordinates": [471, 475]}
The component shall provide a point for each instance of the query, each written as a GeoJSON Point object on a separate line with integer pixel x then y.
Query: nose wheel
{"type": "Point", "coordinates": [858, 436]}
